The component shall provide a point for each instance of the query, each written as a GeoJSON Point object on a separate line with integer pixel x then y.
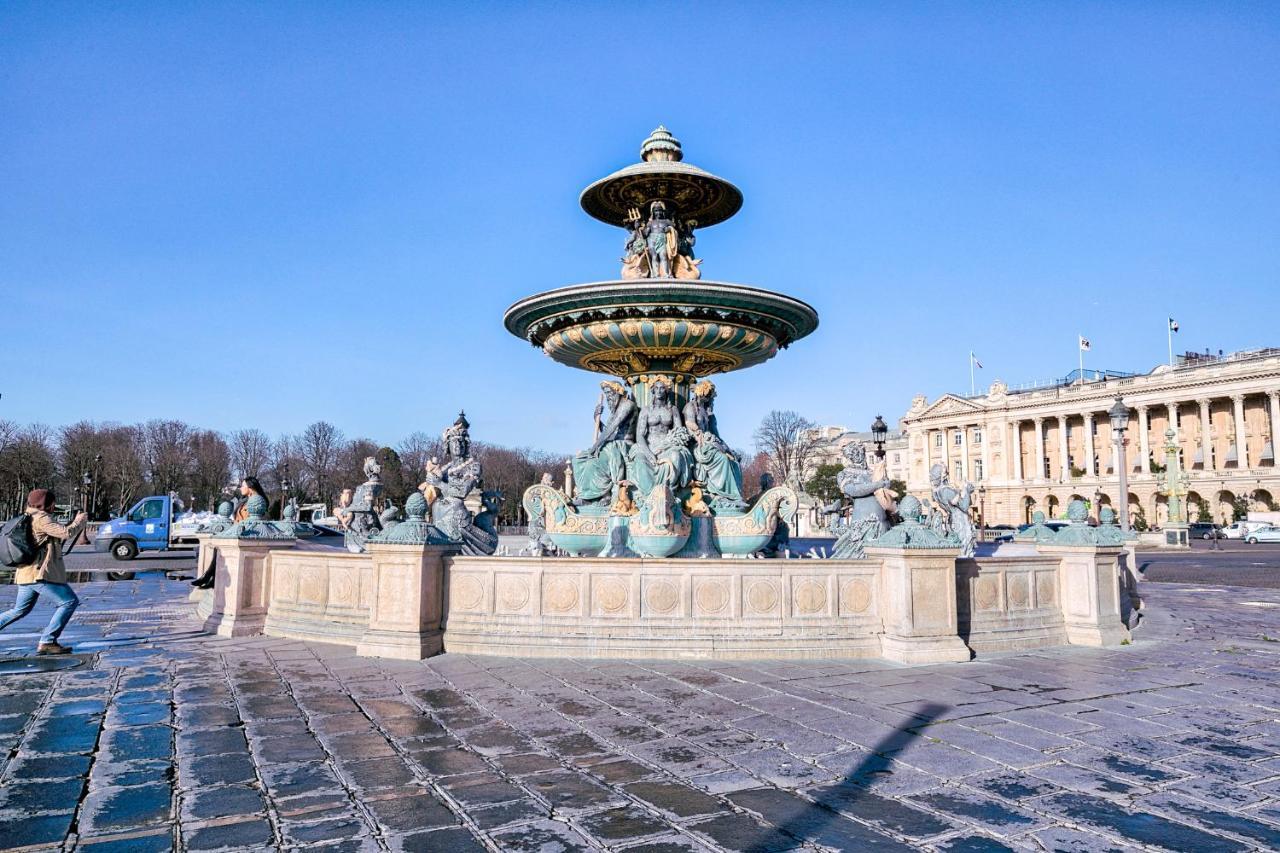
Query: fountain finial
{"type": "Point", "coordinates": [661, 146]}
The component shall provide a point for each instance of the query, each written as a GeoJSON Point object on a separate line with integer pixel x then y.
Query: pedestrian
{"type": "Point", "coordinates": [249, 487]}
{"type": "Point", "coordinates": [47, 574]}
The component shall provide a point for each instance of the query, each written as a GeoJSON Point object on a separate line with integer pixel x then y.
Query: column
{"type": "Point", "coordinates": [986, 451]}
{"type": "Point", "coordinates": [964, 453]}
{"type": "Point", "coordinates": [1206, 443]}
{"type": "Point", "coordinates": [1144, 435]}
{"type": "Point", "coordinates": [1173, 417]}
{"type": "Point", "coordinates": [1064, 464]}
{"type": "Point", "coordinates": [946, 450]}
{"type": "Point", "coordinates": [1274, 396]}
{"type": "Point", "coordinates": [927, 437]}
{"type": "Point", "coordinates": [1039, 460]}
{"type": "Point", "coordinates": [1088, 445]}
{"type": "Point", "coordinates": [1015, 442]}
{"type": "Point", "coordinates": [1242, 460]}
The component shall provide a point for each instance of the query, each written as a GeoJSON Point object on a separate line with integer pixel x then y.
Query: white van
{"type": "Point", "coordinates": [1240, 529]}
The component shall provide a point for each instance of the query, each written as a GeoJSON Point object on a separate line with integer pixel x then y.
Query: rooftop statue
{"type": "Point", "coordinates": [715, 465]}
{"type": "Point", "coordinates": [598, 470]}
{"type": "Point", "coordinates": [953, 505]}
{"type": "Point", "coordinates": [453, 481]}
{"type": "Point", "coordinates": [867, 518]}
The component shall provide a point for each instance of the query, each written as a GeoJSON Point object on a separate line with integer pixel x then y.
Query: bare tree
{"type": "Point", "coordinates": [415, 451]}
{"type": "Point", "coordinates": [319, 446]}
{"type": "Point", "coordinates": [27, 462]}
{"type": "Point", "coordinates": [210, 468]}
{"type": "Point", "coordinates": [167, 445]}
{"type": "Point", "coordinates": [250, 452]}
{"type": "Point", "coordinates": [788, 440]}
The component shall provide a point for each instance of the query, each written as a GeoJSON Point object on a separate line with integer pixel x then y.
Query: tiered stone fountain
{"type": "Point", "coordinates": [661, 324]}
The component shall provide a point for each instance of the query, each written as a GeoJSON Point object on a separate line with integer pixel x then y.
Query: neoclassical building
{"type": "Point", "coordinates": [1041, 447]}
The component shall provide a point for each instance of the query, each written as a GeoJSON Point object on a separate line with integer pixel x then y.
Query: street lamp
{"type": "Point", "coordinates": [87, 482]}
{"type": "Point", "coordinates": [1119, 413]}
{"type": "Point", "coordinates": [879, 432]}
{"type": "Point", "coordinates": [982, 512]}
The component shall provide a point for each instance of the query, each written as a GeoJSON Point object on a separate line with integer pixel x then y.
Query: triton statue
{"type": "Point", "coordinates": [953, 505]}
{"type": "Point", "coordinates": [867, 518]}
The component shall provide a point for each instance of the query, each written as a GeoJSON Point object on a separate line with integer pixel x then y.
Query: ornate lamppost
{"type": "Point", "coordinates": [86, 483]}
{"type": "Point", "coordinates": [1119, 414]}
{"type": "Point", "coordinates": [879, 432]}
{"type": "Point", "coordinates": [982, 512]}
{"type": "Point", "coordinates": [286, 485]}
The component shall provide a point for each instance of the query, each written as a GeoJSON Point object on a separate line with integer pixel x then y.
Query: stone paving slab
{"type": "Point", "coordinates": [162, 738]}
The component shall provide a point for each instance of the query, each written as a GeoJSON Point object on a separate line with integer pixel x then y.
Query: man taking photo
{"type": "Point", "coordinates": [46, 574]}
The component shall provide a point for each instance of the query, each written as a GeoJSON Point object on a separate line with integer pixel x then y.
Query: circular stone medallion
{"type": "Point", "coordinates": [611, 594]}
{"type": "Point", "coordinates": [712, 596]}
{"type": "Point", "coordinates": [468, 592]}
{"type": "Point", "coordinates": [661, 596]}
{"type": "Point", "coordinates": [810, 597]}
{"type": "Point", "coordinates": [856, 595]}
{"type": "Point", "coordinates": [986, 594]}
{"type": "Point", "coordinates": [561, 594]}
{"type": "Point", "coordinates": [762, 597]}
{"type": "Point", "coordinates": [514, 593]}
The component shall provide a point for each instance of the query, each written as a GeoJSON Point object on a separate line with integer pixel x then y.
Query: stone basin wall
{"type": "Point", "coordinates": [643, 608]}
{"type": "Point", "coordinates": [906, 605]}
{"type": "Point", "coordinates": [1009, 603]}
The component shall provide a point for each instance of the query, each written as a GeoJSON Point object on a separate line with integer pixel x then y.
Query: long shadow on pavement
{"type": "Point", "coordinates": [822, 823]}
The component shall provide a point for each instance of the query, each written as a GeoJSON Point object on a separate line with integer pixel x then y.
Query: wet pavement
{"type": "Point", "coordinates": [162, 738]}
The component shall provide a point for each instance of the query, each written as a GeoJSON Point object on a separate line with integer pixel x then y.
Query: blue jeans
{"type": "Point", "coordinates": [27, 595]}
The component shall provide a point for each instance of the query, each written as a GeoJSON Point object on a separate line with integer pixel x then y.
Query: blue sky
{"type": "Point", "coordinates": [269, 214]}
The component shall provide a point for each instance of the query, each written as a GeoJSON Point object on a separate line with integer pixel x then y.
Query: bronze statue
{"type": "Point", "coordinates": [715, 465]}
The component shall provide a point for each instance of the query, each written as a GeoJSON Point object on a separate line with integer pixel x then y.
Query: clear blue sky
{"type": "Point", "coordinates": [269, 214]}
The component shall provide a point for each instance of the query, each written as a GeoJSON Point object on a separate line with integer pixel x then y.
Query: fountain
{"type": "Point", "coordinates": [659, 481]}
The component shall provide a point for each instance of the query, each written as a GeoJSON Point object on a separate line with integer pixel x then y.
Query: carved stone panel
{"type": "Point", "coordinates": [712, 597]}
{"type": "Point", "coordinates": [1046, 589]}
{"type": "Point", "coordinates": [313, 585]}
{"type": "Point", "coordinates": [1018, 590]}
{"type": "Point", "coordinates": [284, 584]}
{"type": "Point", "coordinates": [661, 596]}
{"type": "Point", "coordinates": [466, 592]}
{"type": "Point", "coordinates": [929, 602]}
{"type": "Point", "coordinates": [986, 592]}
{"type": "Point", "coordinates": [763, 597]}
{"type": "Point", "coordinates": [561, 594]}
{"type": "Point", "coordinates": [809, 596]}
{"type": "Point", "coordinates": [512, 593]}
{"type": "Point", "coordinates": [610, 595]}
{"type": "Point", "coordinates": [397, 601]}
{"type": "Point", "coordinates": [855, 596]}
{"type": "Point", "coordinates": [344, 587]}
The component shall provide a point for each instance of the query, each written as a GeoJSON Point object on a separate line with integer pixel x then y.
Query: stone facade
{"type": "Point", "coordinates": [1040, 448]}
{"type": "Point", "coordinates": [829, 443]}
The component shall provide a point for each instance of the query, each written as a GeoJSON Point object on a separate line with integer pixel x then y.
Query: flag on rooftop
{"type": "Point", "coordinates": [1173, 325]}
{"type": "Point", "coordinates": [975, 360]}
{"type": "Point", "coordinates": [1085, 346]}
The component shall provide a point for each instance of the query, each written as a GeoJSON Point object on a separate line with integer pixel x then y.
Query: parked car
{"type": "Point", "coordinates": [1270, 533]}
{"type": "Point", "coordinates": [1205, 530]}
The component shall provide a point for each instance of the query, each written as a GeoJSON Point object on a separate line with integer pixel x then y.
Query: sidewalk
{"type": "Point", "coordinates": [164, 738]}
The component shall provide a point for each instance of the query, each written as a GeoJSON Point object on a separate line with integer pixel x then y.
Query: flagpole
{"type": "Point", "coordinates": [1169, 330]}
{"type": "Point", "coordinates": [972, 392]}
{"type": "Point", "coordinates": [1080, 352]}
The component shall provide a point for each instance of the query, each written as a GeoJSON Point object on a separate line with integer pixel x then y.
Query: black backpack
{"type": "Point", "coordinates": [17, 543]}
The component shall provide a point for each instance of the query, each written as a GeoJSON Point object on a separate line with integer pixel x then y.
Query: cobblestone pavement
{"type": "Point", "coordinates": [163, 738]}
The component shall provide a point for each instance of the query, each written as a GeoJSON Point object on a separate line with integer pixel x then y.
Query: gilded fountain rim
{"type": "Point", "coordinates": [795, 318]}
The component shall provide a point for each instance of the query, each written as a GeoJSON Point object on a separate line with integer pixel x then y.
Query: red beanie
{"type": "Point", "coordinates": [40, 499]}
